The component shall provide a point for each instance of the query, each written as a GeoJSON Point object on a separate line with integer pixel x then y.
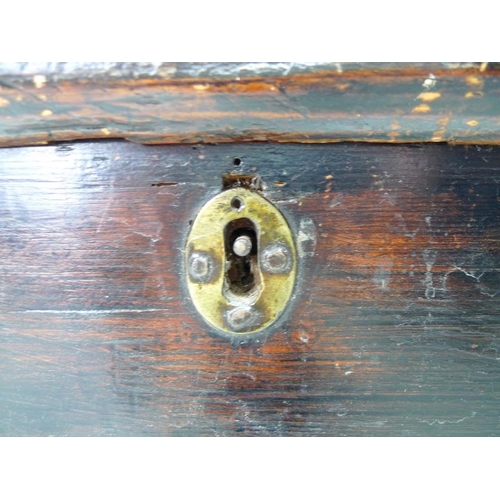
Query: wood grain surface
{"type": "Point", "coordinates": [171, 103]}
{"type": "Point", "coordinates": [393, 330]}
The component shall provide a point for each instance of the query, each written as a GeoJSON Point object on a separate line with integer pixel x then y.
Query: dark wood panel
{"type": "Point", "coordinates": [234, 102]}
{"type": "Point", "coordinates": [393, 330]}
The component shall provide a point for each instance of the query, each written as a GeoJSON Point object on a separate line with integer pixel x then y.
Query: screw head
{"type": "Point", "coordinates": [276, 259]}
{"type": "Point", "coordinates": [200, 267]}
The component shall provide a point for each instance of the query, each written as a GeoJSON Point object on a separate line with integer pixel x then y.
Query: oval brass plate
{"type": "Point", "coordinates": [211, 274]}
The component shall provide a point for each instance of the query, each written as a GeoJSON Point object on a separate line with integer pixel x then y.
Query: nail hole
{"type": "Point", "coordinates": [237, 161]}
{"type": "Point", "coordinates": [237, 204]}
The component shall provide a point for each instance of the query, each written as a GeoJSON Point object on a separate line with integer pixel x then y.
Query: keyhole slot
{"type": "Point", "coordinates": [241, 275]}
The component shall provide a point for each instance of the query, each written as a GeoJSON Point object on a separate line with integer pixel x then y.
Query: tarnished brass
{"type": "Point", "coordinates": [240, 292]}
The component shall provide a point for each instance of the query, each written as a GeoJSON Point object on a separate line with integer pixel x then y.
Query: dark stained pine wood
{"type": "Point", "coordinates": [394, 329]}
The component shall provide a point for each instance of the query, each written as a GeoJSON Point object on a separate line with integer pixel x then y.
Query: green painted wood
{"type": "Point", "coordinates": [17, 72]}
{"type": "Point", "coordinates": [234, 102]}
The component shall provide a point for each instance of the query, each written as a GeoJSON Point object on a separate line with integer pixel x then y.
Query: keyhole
{"type": "Point", "coordinates": [241, 251]}
{"type": "Point", "coordinates": [240, 259]}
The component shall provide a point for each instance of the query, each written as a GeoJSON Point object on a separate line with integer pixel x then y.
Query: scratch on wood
{"type": "Point", "coordinates": [89, 312]}
{"type": "Point", "coordinates": [442, 422]}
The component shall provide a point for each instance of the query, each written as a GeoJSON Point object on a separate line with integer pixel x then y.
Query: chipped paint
{"type": "Point", "coordinates": [342, 87]}
{"type": "Point", "coordinates": [4, 102]}
{"type": "Point", "coordinates": [429, 96]}
{"type": "Point", "coordinates": [470, 95]}
{"type": "Point", "coordinates": [474, 80]}
{"type": "Point", "coordinates": [46, 112]}
{"type": "Point", "coordinates": [439, 134]}
{"type": "Point", "coordinates": [201, 87]}
{"type": "Point", "coordinates": [429, 82]}
{"type": "Point", "coordinates": [39, 81]}
{"type": "Point", "coordinates": [443, 122]}
{"type": "Point", "coordinates": [394, 134]}
{"type": "Point", "coordinates": [473, 123]}
{"type": "Point", "coordinates": [421, 108]}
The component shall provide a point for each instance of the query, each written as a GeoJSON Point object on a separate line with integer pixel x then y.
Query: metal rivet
{"type": "Point", "coordinates": [242, 318]}
{"type": "Point", "coordinates": [201, 266]}
{"type": "Point", "coordinates": [276, 259]}
{"type": "Point", "coordinates": [242, 246]}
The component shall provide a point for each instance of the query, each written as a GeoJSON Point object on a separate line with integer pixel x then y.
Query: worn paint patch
{"type": "Point", "coordinates": [421, 108]}
{"type": "Point", "coordinates": [342, 87]}
{"type": "Point", "coordinates": [470, 95]}
{"type": "Point", "coordinates": [306, 238]}
{"type": "Point", "coordinates": [472, 123]}
{"type": "Point", "coordinates": [201, 87]}
{"type": "Point", "coordinates": [442, 123]}
{"type": "Point", "coordinates": [4, 102]}
{"type": "Point", "coordinates": [394, 134]}
{"type": "Point", "coordinates": [105, 131]}
{"type": "Point", "coordinates": [473, 80]}
{"type": "Point", "coordinates": [429, 96]}
{"type": "Point", "coordinates": [46, 112]}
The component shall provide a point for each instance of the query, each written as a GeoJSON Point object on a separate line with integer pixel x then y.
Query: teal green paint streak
{"type": "Point", "coordinates": [382, 109]}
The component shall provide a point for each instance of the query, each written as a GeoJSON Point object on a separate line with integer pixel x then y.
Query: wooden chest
{"type": "Point", "coordinates": [389, 178]}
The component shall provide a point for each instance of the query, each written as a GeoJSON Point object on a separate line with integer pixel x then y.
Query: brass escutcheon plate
{"type": "Point", "coordinates": [212, 282]}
